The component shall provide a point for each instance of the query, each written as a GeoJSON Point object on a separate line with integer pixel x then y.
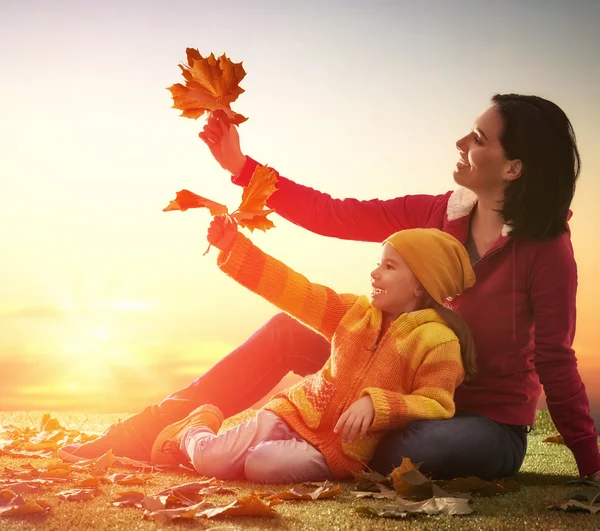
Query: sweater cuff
{"type": "Point", "coordinates": [231, 262]}
{"type": "Point", "coordinates": [243, 178]}
{"type": "Point", "coordinates": [587, 456]}
{"type": "Point", "coordinates": [383, 409]}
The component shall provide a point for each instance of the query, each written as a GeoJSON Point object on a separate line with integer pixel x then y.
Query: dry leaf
{"type": "Point", "coordinates": [127, 479]}
{"type": "Point", "coordinates": [15, 505]}
{"type": "Point", "coordinates": [391, 495]}
{"type": "Point", "coordinates": [211, 85]}
{"type": "Point", "coordinates": [246, 506]}
{"type": "Point", "coordinates": [586, 495]}
{"type": "Point", "coordinates": [254, 220]}
{"type": "Point", "coordinates": [556, 439]}
{"type": "Point", "coordinates": [321, 492]}
{"type": "Point", "coordinates": [479, 486]}
{"type": "Point", "coordinates": [431, 506]}
{"type": "Point", "coordinates": [129, 498]}
{"type": "Point", "coordinates": [186, 199]}
{"type": "Point", "coordinates": [259, 189]}
{"type": "Point", "coordinates": [77, 494]}
{"type": "Point", "coordinates": [575, 506]}
{"type": "Point", "coordinates": [409, 482]}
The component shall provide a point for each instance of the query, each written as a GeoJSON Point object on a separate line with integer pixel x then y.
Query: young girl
{"type": "Point", "coordinates": [394, 359]}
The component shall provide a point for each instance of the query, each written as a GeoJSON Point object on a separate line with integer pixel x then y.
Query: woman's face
{"type": "Point", "coordinates": [482, 165]}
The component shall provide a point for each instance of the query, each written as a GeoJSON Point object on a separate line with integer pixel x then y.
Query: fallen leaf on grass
{"type": "Point", "coordinates": [373, 482]}
{"type": "Point", "coordinates": [129, 498]}
{"type": "Point", "coordinates": [432, 506]}
{"type": "Point", "coordinates": [21, 487]}
{"type": "Point", "coordinates": [77, 494]}
{"type": "Point", "coordinates": [479, 486]}
{"type": "Point", "coordinates": [247, 506]}
{"type": "Point", "coordinates": [556, 439]}
{"type": "Point", "coordinates": [586, 495]}
{"type": "Point", "coordinates": [12, 504]}
{"type": "Point", "coordinates": [575, 506]}
{"type": "Point", "coordinates": [322, 492]}
{"type": "Point", "coordinates": [391, 495]}
{"type": "Point", "coordinates": [584, 481]}
{"type": "Point", "coordinates": [128, 479]}
{"type": "Point", "coordinates": [409, 482]}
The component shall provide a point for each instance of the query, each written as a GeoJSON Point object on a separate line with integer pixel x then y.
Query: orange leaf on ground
{"type": "Point", "coordinates": [12, 504]}
{"type": "Point", "coordinates": [556, 439]}
{"type": "Point", "coordinates": [211, 85]}
{"type": "Point", "coordinates": [322, 492]}
{"type": "Point", "coordinates": [186, 199]}
{"type": "Point", "coordinates": [77, 494]}
{"type": "Point", "coordinates": [246, 506]}
{"type": "Point", "coordinates": [129, 498]}
{"type": "Point", "coordinates": [409, 482]}
{"type": "Point", "coordinates": [128, 479]}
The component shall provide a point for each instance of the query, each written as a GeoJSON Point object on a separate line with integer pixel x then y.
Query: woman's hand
{"type": "Point", "coordinates": [223, 140]}
{"type": "Point", "coordinates": [222, 232]}
{"type": "Point", "coordinates": [357, 418]}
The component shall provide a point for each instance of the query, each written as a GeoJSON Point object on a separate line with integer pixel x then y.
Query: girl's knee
{"type": "Point", "coordinates": [260, 467]}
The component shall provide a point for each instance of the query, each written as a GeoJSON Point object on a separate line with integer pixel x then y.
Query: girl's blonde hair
{"type": "Point", "coordinates": [458, 325]}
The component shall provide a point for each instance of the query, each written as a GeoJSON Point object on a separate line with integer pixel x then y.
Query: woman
{"type": "Point", "coordinates": [517, 170]}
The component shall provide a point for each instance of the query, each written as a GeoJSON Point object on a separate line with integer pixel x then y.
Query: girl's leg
{"type": "Point", "coordinates": [224, 455]}
{"type": "Point", "coordinates": [236, 382]}
{"type": "Point", "coordinates": [466, 445]}
{"type": "Point", "coordinates": [287, 461]}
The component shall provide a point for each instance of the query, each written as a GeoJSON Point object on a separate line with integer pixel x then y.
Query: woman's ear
{"type": "Point", "coordinates": [515, 170]}
{"type": "Point", "coordinates": [419, 291]}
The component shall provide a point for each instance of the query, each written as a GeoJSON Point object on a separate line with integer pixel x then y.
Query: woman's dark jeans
{"type": "Point", "coordinates": [466, 445]}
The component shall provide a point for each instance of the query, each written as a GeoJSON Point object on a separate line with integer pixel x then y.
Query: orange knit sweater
{"type": "Point", "coordinates": [410, 375]}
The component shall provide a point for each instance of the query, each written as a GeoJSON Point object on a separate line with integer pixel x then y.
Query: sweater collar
{"type": "Point", "coordinates": [461, 203]}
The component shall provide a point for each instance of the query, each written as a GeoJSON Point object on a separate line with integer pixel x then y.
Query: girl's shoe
{"type": "Point", "coordinates": [166, 448]}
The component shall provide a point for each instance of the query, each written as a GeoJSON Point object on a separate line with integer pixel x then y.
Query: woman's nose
{"type": "Point", "coordinates": [461, 144]}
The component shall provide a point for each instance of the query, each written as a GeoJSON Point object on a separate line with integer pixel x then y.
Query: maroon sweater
{"type": "Point", "coordinates": [521, 311]}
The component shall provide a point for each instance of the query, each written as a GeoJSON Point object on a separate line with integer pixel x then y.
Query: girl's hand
{"type": "Point", "coordinates": [222, 232]}
{"type": "Point", "coordinates": [357, 418]}
{"type": "Point", "coordinates": [223, 140]}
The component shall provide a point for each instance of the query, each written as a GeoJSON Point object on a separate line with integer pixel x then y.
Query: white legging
{"type": "Point", "coordinates": [264, 450]}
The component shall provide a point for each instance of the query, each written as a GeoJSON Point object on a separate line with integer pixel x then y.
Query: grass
{"type": "Point", "coordinates": [543, 476]}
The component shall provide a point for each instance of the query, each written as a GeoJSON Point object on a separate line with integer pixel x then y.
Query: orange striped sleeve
{"type": "Point", "coordinates": [317, 306]}
{"type": "Point", "coordinates": [432, 395]}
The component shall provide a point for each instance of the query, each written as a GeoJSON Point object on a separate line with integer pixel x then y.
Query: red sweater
{"type": "Point", "coordinates": [521, 311]}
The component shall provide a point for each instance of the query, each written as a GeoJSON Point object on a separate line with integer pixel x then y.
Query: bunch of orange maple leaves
{"type": "Point", "coordinates": [211, 85]}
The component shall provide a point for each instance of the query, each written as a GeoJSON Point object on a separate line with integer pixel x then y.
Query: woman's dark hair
{"type": "Point", "coordinates": [537, 132]}
{"type": "Point", "coordinates": [458, 325]}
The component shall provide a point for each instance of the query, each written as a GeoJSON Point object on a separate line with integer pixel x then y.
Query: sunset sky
{"type": "Point", "coordinates": [107, 303]}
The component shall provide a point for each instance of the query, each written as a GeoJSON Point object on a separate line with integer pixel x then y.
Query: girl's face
{"type": "Point", "coordinates": [482, 165]}
{"type": "Point", "coordinates": [396, 290]}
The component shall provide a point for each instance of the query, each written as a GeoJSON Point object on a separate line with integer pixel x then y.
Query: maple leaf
{"type": "Point", "coordinates": [77, 494]}
{"type": "Point", "coordinates": [186, 199]}
{"type": "Point", "coordinates": [211, 85]}
{"type": "Point", "coordinates": [323, 491]}
{"type": "Point", "coordinates": [129, 498]}
{"type": "Point", "coordinates": [408, 481]}
{"type": "Point", "coordinates": [254, 220]}
{"type": "Point", "coordinates": [259, 189]}
{"type": "Point", "coordinates": [431, 506]}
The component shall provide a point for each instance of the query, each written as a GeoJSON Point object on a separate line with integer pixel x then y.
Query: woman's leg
{"type": "Point", "coordinates": [466, 445]}
{"type": "Point", "coordinates": [236, 382]}
{"type": "Point", "coordinates": [223, 456]}
{"type": "Point", "coordinates": [287, 461]}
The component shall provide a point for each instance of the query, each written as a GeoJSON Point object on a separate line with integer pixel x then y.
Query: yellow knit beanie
{"type": "Point", "coordinates": [437, 259]}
